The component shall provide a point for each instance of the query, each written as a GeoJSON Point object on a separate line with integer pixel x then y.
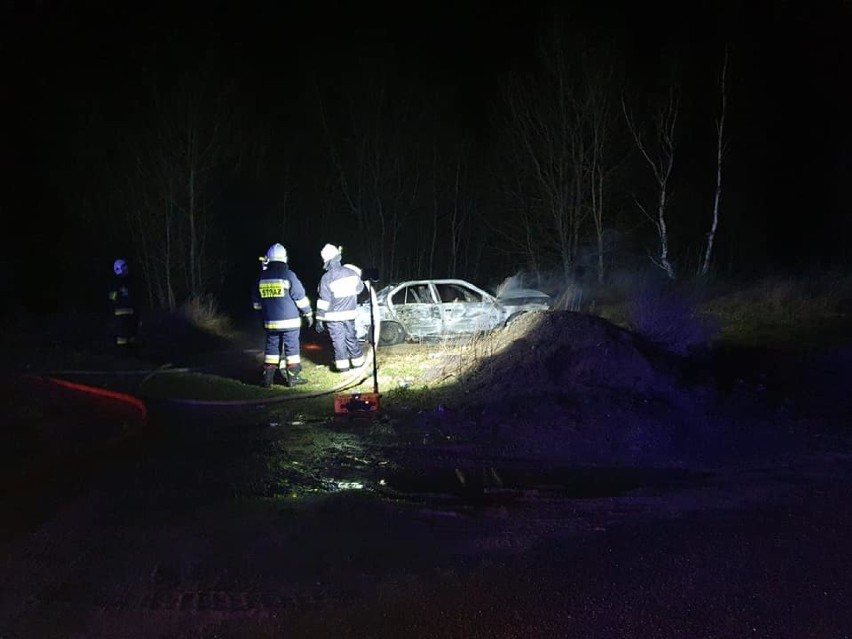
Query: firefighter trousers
{"type": "Point", "coordinates": [282, 349]}
{"type": "Point", "coordinates": [347, 349]}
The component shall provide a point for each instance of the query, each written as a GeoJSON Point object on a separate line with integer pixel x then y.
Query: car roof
{"type": "Point", "coordinates": [436, 280]}
{"type": "Point", "coordinates": [523, 292]}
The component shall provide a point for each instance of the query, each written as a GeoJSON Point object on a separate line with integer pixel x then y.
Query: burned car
{"type": "Point", "coordinates": [441, 308]}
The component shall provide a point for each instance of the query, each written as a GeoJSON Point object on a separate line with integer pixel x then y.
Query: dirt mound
{"type": "Point", "coordinates": [578, 388]}
{"type": "Point", "coordinates": [563, 351]}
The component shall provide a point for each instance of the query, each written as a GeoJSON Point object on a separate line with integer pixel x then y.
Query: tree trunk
{"type": "Point", "coordinates": [720, 150]}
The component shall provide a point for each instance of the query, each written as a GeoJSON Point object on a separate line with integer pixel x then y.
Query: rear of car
{"type": "Point", "coordinates": [523, 300]}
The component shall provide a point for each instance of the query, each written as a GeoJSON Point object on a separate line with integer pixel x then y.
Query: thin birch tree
{"type": "Point", "coordinates": [659, 155]}
{"type": "Point", "coordinates": [704, 268]}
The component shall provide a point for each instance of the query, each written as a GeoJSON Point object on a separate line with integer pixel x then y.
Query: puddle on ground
{"type": "Point", "coordinates": [292, 456]}
{"type": "Point", "coordinates": [489, 483]}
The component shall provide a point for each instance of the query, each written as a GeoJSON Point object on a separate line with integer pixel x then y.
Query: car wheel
{"type": "Point", "coordinates": [391, 333]}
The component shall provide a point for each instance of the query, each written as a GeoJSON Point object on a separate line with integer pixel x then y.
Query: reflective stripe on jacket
{"type": "Point", "coordinates": [281, 297]}
{"type": "Point", "coordinates": [338, 293]}
{"type": "Point", "coordinates": [120, 299]}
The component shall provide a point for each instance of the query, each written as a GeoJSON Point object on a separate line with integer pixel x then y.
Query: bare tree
{"type": "Point", "coordinates": [179, 158]}
{"type": "Point", "coordinates": [283, 203]}
{"type": "Point", "coordinates": [560, 124]}
{"type": "Point", "coordinates": [660, 157]}
{"type": "Point", "coordinates": [377, 167]}
{"type": "Point", "coordinates": [452, 207]}
{"type": "Point", "coordinates": [520, 235]}
{"type": "Point", "coordinates": [150, 219]}
{"type": "Point", "coordinates": [543, 131]}
{"type": "Point", "coordinates": [599, 126]}
{"type": "Point", "coordinates": [272, 167]}
{"type": "Point", "coordinates": [460, 214]}
{"type": "Point", "coordinates": [720, 152]}
{"type": "Point", "coordinates": [436, 209]}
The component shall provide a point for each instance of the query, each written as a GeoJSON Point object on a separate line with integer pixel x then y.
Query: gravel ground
{"type": "Point", "coordinates": [587, 484]}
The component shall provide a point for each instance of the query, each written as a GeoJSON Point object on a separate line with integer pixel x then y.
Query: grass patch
{"type": "Point", "coordinates": [802, 335]}
{"type": "Point", "coordinates": [800, 314]}
{"type": "Point", "coordinates": [202, 312]}
{"type": "Point", "coordinates": [409, 377]}
{"type": "Point", "coordinates": [203, 387]}
{"type": "Point", "coordinates": [214, 388]}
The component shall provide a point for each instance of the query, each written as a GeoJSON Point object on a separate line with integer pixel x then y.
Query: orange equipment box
{"type": "Point", "coordinates": [356, 403]}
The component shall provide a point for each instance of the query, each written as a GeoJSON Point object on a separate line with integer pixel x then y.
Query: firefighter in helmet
{"type": "Point", "coordinates": [336, 307]}
{"type": "Point", "coordinates": [125, 315]}
{"type": "Point", "coordinates": [280, 296]}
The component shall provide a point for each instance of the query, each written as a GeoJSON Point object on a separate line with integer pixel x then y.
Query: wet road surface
{"type": "Point", "coordinates": [266, 522]}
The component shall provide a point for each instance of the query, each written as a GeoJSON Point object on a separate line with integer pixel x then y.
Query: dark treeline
{"type": "Point", "coordinates": [562, 145]}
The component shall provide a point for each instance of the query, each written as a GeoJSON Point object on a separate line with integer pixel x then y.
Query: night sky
{"type": "Point", "coordinates": [80, 81]}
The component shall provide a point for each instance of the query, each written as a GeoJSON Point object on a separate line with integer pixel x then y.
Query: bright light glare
{"type": "Point", "coordinates": [349, 485]}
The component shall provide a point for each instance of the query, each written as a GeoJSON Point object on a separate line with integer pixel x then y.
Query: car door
{"type": "Point", "coordinates": [466, 309]}
{"type": "Point", "coordinates": [414, 306]}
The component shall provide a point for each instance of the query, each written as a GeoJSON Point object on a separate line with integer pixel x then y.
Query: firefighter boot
{"type": "Point", "coordinates": [268, 375]}
{"type": "Point", "coordinates": [294, 379]}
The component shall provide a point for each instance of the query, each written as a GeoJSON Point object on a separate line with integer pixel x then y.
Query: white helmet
{"type": "Point", "coordinates": [119, 267]}
{"type": "Point", "coordinates": [276, 253]}
{"type": "Point", "coordinates": [329, 252]}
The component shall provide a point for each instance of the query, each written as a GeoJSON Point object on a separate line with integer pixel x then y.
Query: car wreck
{"type": "Point", "coordinates": [417, 310]}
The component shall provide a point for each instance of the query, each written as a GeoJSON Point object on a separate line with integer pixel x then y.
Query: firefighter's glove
{"type": "Point", "coordinates": [309, 319]}
{"type": "Point", "coordinates": [320, 327]}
